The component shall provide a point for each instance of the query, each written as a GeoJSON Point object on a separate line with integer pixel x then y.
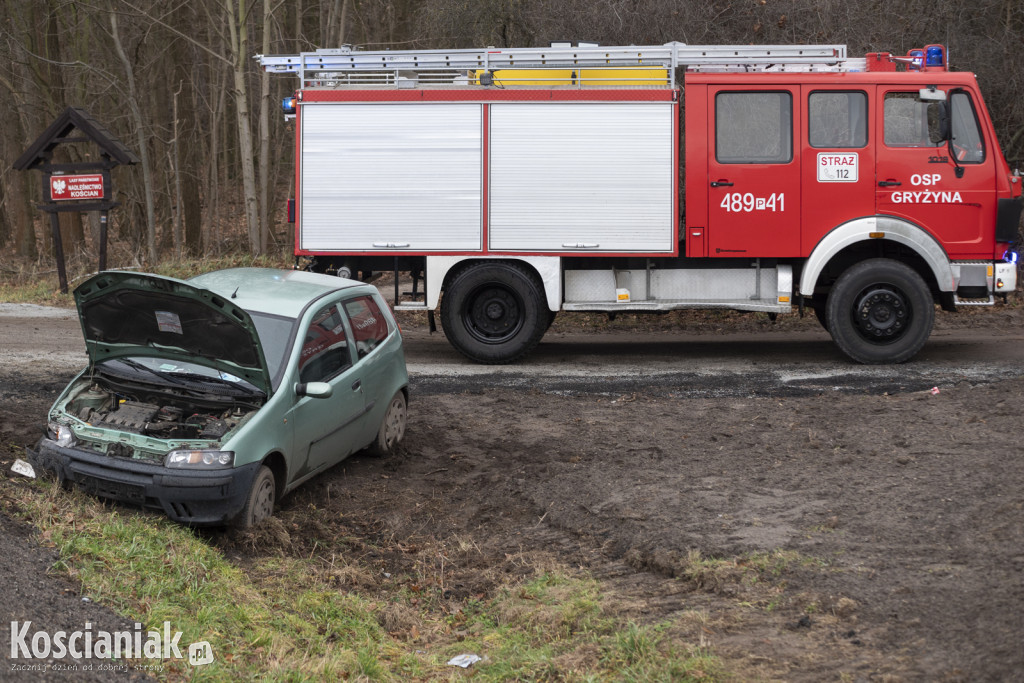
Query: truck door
{"type": "Point", "coordinates": [917, 177]}
{"type": "Point", "coordinates": [753, 172]}
{"type": "Point", "coordinates": [838, 160]}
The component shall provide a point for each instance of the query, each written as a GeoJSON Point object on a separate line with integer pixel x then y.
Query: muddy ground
{"type": "Point", "coordinates": [865, 534]}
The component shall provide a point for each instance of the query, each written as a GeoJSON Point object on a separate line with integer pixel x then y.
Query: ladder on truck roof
{"type": "Point", "coordinates": [349, 66]}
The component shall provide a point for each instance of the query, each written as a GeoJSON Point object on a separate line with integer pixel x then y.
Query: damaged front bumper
{"type": "Point", "coordinates": [198, 497]}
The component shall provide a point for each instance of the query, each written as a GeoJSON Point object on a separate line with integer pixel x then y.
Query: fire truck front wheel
{"type": "Point", "coordinates": [494, 312]}
{"type": "Point", "coordinates": [880, 311]}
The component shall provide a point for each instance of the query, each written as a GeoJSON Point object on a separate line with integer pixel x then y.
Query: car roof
{"type": "Point", "coordinates": [270, 290]}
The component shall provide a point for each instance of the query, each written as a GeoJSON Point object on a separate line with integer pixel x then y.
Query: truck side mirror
{"type": "Point", "coordinates": [931, 94]}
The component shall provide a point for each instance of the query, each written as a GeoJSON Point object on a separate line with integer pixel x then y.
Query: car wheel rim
{"type": "Point", "coordinates": [882, 314]}
{"type": "Point", "coordinates": [394, 424]}
{"type": "Point", "coordinates": [493, 313]}
{"type": "Point", "coordinates": [263, 506]}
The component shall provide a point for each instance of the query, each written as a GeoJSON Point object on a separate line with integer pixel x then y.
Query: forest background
{"type": "Point", "coordinates": [177, 83]}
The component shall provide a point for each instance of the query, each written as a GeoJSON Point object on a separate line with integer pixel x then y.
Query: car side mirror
{"type": "Point", "coordinates": [313, 389]}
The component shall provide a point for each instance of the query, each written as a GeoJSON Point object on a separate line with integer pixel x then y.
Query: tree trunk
{"type": "Point", "coordinates": [266, 174]}
{"type": "Point", "coordinates": [21, 216]}
{"type": "Point", "coordinates": [239, 45]}
{"type": "Point", "coordinates": [176, 168]}
{"type": "Point", "coordinates": [140, 135]}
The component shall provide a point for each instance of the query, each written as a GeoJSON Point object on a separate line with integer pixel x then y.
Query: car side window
{"type": "Point", "coordinates": [326, 348]}
{"type": "Point", "coordinates": [369, 326]}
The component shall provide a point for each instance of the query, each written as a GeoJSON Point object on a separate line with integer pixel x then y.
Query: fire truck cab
{"type": "Point", "coordinates": [519, 183]}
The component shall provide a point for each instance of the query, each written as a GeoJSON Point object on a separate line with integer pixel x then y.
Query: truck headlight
{"type": "Point", "coordinates": [206, 459]}
{"type": "Point", "coordinates": [61, 433]}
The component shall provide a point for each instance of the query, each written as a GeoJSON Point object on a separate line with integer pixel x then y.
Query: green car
{"type": "Point", "coordinates": [211, 398]}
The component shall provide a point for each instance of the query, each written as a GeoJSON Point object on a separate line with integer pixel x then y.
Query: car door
{"type": "Point", "coordinates": [370, 330]}
{"type": "Point", "coordinates": [328, 429]}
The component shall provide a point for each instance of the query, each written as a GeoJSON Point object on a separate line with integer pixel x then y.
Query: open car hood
{"type": "Point", "coordinates": [138, 314]}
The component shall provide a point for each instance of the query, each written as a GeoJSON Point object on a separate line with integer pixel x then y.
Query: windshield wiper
{"type": "Point", "coordinates": [167, 376]}
{"type": "Point", "coordinates": [248, 390]}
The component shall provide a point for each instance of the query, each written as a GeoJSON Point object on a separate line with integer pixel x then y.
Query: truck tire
{"type": "Point", "coordinates": [494, 312]}
{"type": "Point", "coordinates": [260, 503]}
{"type": "Point", "coordinates": [880, 311]}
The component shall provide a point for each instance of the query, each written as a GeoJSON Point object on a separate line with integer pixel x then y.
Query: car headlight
{"type": "Point", "coordinates": [61, 433]}
{"type": "Point", "coordinates": [200, 459]}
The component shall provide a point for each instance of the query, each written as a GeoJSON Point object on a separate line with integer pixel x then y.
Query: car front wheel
{"type": "Point", "coordinates": [260, 503]}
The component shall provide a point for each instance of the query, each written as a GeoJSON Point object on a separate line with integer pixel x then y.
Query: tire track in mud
{"type": "Point", "coordinates": [427, 381]}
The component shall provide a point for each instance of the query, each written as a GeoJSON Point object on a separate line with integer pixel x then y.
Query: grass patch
{"type": "Point", "coordinates": [750, 569]}
{"type": "Point", "coordinates": [43, 291]}
{"type": "Point", "coordinates": [35, 286]}
{"type": "Point", "coordinates": [286, 618]}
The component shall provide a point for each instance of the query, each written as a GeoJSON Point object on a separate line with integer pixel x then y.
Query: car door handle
{"type": "Point", "coordinates": [357, 385]}
{"type": "Point", "coordinates": [720, 183]}
{"type": "Point", "coordinates": [889, 183]}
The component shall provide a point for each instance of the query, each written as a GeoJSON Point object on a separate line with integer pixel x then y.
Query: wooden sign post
{"type": "Point", "coordinates": [79, 187]}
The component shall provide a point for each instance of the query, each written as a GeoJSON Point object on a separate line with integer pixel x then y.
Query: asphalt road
{"type": "Point", "coordinates": [36, 338]}
{"type": "Point", "coordinates": [778, 364]}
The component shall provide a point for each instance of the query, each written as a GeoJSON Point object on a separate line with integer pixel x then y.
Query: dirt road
{"type": "Point", "coordinates": [830, 521]}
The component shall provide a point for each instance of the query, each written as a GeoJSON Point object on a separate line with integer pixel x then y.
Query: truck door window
{"type": "Point", "coordinates": [325, 350]}
{"type": "Point", "coordinates": [754, 127]}
{"type": "Point", "coordinates": [910, 122]}
{"type": "Point", "coordinates": [968, 145]}
{"type": "Point", "coordinates": [838, 119]}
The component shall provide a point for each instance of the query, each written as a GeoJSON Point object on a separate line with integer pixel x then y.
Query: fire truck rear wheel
{"type": "Point", "coordinates": [880, 311]}
{"type": "Point", "coordinates": [494, 312]}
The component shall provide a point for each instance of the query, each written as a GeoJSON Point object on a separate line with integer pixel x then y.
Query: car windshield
{"type": "Point", "coordinates": [274, 332]}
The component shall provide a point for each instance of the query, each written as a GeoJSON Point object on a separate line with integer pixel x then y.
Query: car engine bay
{"type": "Point", "coordinates": [160, 412]}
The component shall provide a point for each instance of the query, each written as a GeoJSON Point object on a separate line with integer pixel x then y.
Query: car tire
{"type": "Point", "coordinates": [260, 503]}
{"type": "Point", "coordinates": [392, 427]}
{"type": "Point", "coordinates": [880, 311]}
{"type": "Point", "coordinates": [494, 311]}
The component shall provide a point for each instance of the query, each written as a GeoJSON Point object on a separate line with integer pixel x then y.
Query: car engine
{"type": "Point", "coordinates": [170, 418]}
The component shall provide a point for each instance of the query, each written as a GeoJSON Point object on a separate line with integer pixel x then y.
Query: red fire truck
{"type": "Point", "coordinates": [522, 182]}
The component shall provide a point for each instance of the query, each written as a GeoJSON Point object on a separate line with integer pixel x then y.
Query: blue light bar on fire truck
{"type": "Point", "coordinates": [935, 55]}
